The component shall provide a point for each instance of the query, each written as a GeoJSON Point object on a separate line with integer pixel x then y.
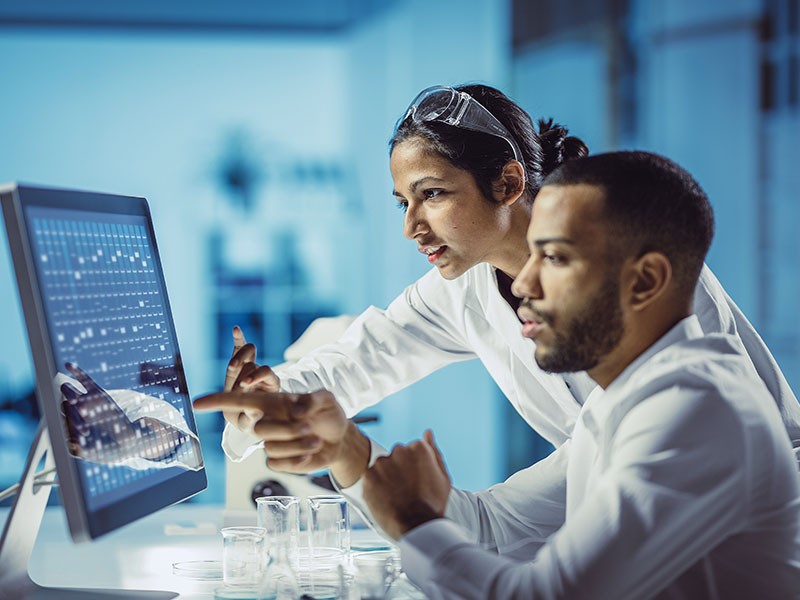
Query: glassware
{"type": "Point", "coordinates": [376, 572]}
{"type": "Point", "coordinates": [328, 528]}
{"type": "Point", "coordinates": [242, 555]}
{"type": "Point", "coordinates": [279, 581]}
{"type": "Point", "coordinates": [280, 518]}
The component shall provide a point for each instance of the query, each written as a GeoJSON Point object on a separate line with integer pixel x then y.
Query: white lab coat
{"type": "Point", "coordinates": [435, 322]}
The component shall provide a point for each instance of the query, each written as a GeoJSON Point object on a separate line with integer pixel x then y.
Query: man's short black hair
{"type": "Point", "coordinates": [651, 204]}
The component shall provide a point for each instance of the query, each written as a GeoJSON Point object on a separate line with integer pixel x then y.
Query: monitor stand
{"type": "Point", "coordinates": [19, 535]}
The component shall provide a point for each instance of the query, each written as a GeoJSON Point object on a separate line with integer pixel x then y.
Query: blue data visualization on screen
{"type": "Point", "coordinates": [107, 313]}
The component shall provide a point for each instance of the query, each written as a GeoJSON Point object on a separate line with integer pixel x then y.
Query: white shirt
{"type": "Point", "coordinates": [680, 483]}
{"type": "Point", "coordinates": [436, 322]}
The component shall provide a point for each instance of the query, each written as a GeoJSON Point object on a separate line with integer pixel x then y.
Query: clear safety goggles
{"type": "Point", "coordinates": [459, 109]}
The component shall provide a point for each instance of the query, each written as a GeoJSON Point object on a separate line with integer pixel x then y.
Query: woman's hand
{"type": "Point", "coordinates": [245, 375]}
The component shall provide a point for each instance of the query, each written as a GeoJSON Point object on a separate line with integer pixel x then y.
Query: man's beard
{"type": "Point", "coordinates": [589, 335]}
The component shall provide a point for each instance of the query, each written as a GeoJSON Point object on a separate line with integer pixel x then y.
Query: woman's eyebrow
{"type": "Point", "coordinates": [422, 180]}
{"type": "Point", "coordinates": [553, 240]}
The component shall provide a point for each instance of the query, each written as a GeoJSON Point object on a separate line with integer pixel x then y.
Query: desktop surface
{"type": "Point", "coordinates": [140, 556]}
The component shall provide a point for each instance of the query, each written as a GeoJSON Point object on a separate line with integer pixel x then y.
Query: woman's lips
{"type": "Point", "coordinates": [432, 258]}
{"type": "Point", "coordinates": [433, 253]}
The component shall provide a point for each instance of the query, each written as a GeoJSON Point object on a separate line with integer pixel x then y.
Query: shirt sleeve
{"type": "Point", "coordinates": [666, 498]}
{"type": "Point", "coordinates": [499, 519]}
{"type": "Point", "coordinates": [516, 517]}
{"type": "Point", "coordinates": [718, 313]}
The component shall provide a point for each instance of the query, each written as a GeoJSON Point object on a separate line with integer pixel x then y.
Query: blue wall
{"type": "Point", "coordinates": [159, 114]}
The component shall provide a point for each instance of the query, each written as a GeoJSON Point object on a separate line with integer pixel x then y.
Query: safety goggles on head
{"type": "Point", "coordinates": [459, 109]}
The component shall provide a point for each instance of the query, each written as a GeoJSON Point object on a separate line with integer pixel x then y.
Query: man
{"type": "Point", "coordinates": [679, 480]}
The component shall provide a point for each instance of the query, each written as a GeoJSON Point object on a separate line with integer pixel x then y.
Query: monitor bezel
{"type": "Point", "coordinates": [84, 524]}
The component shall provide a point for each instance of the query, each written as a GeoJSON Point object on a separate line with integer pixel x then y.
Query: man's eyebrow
{"type": "Point", "coordinates": [418, 183]}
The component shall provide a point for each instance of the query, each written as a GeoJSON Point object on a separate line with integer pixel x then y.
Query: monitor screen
{"type": "Point", "coordinates": [109, 376]}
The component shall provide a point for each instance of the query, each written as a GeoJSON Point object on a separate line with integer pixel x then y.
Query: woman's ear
{"type": "Point", "coordinates": [649, 278]}
{"type": "Point", "coordinates": [510, 184]}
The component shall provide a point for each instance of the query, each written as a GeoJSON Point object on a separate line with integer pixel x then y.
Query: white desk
{"type": "Point", "coordinates": [140, 555]}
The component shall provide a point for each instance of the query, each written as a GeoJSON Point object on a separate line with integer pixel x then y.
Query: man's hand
{"type": "Point", "coordinates": [407, 488]}
{"type": "Point", "coordinates": [243, 374]}
{"type": "Point", "coordinates": [301, 432]}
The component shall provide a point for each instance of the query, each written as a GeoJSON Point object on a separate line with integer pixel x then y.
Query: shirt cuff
{"type": "Point", "coordinates": [238, 445]}
{"type": "Point", "coordinates": [355, 494]}
{"type": "Point", "coordinates": [421, 547]}
{"type": "Point", "coordinates": [375, 452]}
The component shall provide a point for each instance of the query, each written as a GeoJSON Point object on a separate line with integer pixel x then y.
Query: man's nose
{"type": "Point", "coordinates": [527, 284]}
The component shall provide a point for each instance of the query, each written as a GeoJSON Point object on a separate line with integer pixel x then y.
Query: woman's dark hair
{"type": "Point", "coordinates": [484, 155]}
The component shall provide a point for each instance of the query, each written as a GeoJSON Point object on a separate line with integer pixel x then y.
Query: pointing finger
{"type": "Point", "coordinates": [238, 339]}
{"type": "Point", "coordinates": [276, 405]}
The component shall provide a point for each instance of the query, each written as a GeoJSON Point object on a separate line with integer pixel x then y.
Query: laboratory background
{"type": "Point", "coordinates": [258, 132]}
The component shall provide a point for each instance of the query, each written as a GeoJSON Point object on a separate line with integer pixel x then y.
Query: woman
{"type": "Point", "coordinates": [466, 165]}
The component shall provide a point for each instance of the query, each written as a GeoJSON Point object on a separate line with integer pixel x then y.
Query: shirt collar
{"type": "Point", "coordinates": [685, 329]}
{"type": "Point", "coordinates": [595, 411]}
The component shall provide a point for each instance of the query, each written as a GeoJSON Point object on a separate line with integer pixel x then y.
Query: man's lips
{"type": "Point", "coordinates": [532, 322]}
{"type": "Point", "coordinates": [530, 329]}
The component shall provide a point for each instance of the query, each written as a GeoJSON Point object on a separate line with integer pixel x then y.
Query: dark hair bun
{"type": "Point", "coordinates": [557, 146]}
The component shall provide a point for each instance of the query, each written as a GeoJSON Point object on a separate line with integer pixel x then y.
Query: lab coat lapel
{"type": "Point", "coordinates": [557, 404]}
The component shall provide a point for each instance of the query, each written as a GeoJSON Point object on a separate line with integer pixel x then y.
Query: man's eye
{"type": "Point", "coordinates": [402, 205]}
{"type": "Point", "coordinates": [431, 193]}
{"type": "Point", "coordinates": [555, 259]}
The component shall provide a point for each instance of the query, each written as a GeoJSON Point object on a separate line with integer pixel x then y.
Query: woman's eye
{"type": "Point", "coordinates": [402, 205]}
{"type": "Point", "coordinates": [431, 193]}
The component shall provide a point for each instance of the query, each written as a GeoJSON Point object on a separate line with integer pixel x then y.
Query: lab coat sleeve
{"type": "Point", "coordinates": [718, 313]}
{"type": "Point", "coordinates": [381, 352]}
{"type": "Point", "coordinates": [384, 351]}
{"type": "Point", "coordinates": [668, 499]}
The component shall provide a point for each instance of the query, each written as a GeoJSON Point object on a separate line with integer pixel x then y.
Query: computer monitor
{"type": "Point", "coordinates": [109, 378]}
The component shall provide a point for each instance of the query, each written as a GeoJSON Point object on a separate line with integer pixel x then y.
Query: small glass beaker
{"type": "Point", "coordinates": [280, 518]}
{"type": "Point", "coordinates": [242, 555]}
{"type": "Point", "coordinates": [328, 526]}
{"type": "Point", "coordinates": [376, 572]}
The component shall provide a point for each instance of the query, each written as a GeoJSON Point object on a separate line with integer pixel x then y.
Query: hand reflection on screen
{"type": "Point", "coordinates": [124, 427]}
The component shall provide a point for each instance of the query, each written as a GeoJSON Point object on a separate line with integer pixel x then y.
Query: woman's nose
{"type": "Point", "coordinates": [414, 223]}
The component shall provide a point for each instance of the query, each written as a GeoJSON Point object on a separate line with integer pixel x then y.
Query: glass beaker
{"type": "Point", "coordinates": [376, 572]}
{"type": "Point", "coordinates": [242, 555]}
{"type": "Point", "coordinates": [280, 518]}
{"type": "Point", "coordinates": [328, 527]}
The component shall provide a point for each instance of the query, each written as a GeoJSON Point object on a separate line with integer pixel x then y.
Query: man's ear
{"type": "Point", "coordinates": [510, 184]}
{"type": "Point", "coordinates": [648, 278]}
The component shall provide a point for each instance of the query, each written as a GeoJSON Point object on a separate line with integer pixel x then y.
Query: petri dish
{"type": "Point", "coordinates": [236, 593]}
{"type": "Point", "coordinates": [199, 570]}
{"type": "Point", "coordinates": [370, 545]}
